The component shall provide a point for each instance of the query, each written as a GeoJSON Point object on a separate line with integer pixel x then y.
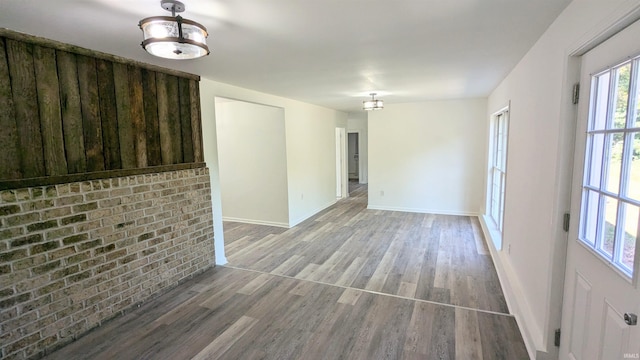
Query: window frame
{"type": "Point", "coordinates": [497, 168]}
{"type": "Point", "coordinates": [601, 162]}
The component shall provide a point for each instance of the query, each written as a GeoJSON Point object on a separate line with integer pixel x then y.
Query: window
{"type": "Point", "coordinates": [498, 167]}
{"type": "Point", "coordinates": [611, 180]}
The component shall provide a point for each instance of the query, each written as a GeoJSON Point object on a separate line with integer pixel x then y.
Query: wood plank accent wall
{"type": "Point", "coordinates": [67, 110]}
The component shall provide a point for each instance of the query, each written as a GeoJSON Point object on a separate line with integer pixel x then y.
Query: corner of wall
{"type": "Point", "coordinates": [306, 216]}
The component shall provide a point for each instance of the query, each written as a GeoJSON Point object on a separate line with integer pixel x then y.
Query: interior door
{"type": "Point", "coordinates": [601, 293]}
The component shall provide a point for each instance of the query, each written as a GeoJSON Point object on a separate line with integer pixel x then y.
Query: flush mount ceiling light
{"type": "Point", "coordinates": [372, 104]}
{"type": "Point", "coordinates": [172, 37]}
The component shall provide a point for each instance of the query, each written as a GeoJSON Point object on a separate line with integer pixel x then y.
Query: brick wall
{"type": "Point", "coordinates": [74, 255]}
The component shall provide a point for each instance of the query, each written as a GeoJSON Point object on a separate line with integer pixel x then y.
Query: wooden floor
{"type": "Point", "coordinates": [349, 283]}
{"type": "Point", "coordinates": [430, 257]}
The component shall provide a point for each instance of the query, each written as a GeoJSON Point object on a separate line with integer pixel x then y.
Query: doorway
{"type": "Point", "coordinates": [252, 160]}
{"type": "Point", "coordinates": [353, 156]}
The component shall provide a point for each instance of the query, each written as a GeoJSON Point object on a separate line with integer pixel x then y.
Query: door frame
{"type": "Point", "coordinates": [342, 176]}
{"type": "Point", "coordinates": [619, 19]}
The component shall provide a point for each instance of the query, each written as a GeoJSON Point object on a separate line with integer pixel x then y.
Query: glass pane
{"type": "Point", "coordinates": [496, 184]}
{"type": "Point", "coordinates": [159, 29]}
{"type": "Point", "coordinates": [633, 182]}
{"type": "Point", "coordinates": [500, 148]}
{"type": "Point", "coordinates": [609, 226]}
{"type": "Point", "coordinates": [629, 235]}
{"type": "Point", "coordinates": [499, 155]}
{"type": "Point", "coordinates": [502, 191]}
{"type": "Point", "coordinates": [600, 98]}
{"type": "Point", "coordinates": [615, 144]}
{"type": "Point", "coordinates": [636, 123]}
{"type": "Point", "coordinates": [496, 139]}
{"type": "Point", "coordinates": [194, 33]}
{"type": "Point", "coordinates": [594, 159]}
{"type": "Point", "coordinates": [621, 95]}
{"type": "Point", "coordinates": [589, 217]}
{"type": "Point", "coordinates": [495, 195]}
{"type": "Point", "coordinates": [503, 141]}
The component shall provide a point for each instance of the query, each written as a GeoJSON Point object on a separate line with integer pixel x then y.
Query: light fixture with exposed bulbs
{"type": "Point", "coordinates": [173, 37]}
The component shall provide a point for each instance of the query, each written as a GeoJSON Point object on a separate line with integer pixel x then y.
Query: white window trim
{"type": "Point", "coordinates": [496, 226]}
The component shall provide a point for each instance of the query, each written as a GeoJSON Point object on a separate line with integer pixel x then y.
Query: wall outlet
{"type": "Point", "coordinates": [508, 248]}
{"type": "Point", "coordinates": [381, 192]}
{"type": "Point", "coordinates": [302, 196]}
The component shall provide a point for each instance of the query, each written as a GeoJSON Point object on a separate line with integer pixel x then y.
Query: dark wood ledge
{"type": "Point", "coordinates": [63, 179]}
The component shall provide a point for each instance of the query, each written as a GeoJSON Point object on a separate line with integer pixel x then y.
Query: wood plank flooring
{"type": "Point", "coordinates": [346, 284]}
{"type": "Point", "coordinates": [430, 257]}
{"type": "Point", "coordinates": [229, 313]}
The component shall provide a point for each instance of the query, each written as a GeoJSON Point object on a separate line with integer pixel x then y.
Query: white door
{"type": "Point", "coordinates": [601, 280]}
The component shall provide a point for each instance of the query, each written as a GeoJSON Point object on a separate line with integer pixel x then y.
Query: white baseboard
{"type": "Point", "coordinates": [220, 260]}
{"type": "Point", "coordinates": [256, 222]}
{"type": "Point", "coordinates": [516, 301]}
{"type": "Point", "coordinates": [423, 210]}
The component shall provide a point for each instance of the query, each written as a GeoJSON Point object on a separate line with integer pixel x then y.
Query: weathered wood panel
{"type": "Point", "coordinates": [123, 109]}
{"type": "Point", "coordinates": [174, 118]}
{"type": "Point", "coordinates": [154, 155]}
{"type": "Point", "coordinates": [108, 115]}
{"type": "Point", "coordinates": [166, 137]}
{"type": "Point", "coordinates": [90, 104]}
{"type": "Point", "coordinates": [9, 156]}
{"type": "Point", "coordinates": [46, 73]}
{"type": "Point", "coordinates": [196, 122]}
{"type": "Point", "coordinates": [25, 100]}
{"type": "Point", "coordinates": [71, 112]}
{"type": "Point", "coordinates": [67, 112]}
{"type": "Point", "coordinates": [185, 120]}
{"type": "Point", "coordinates": [137, 116]}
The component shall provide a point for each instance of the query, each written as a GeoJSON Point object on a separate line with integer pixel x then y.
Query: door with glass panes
{"type": "Point", "coordinates": [601, 297]}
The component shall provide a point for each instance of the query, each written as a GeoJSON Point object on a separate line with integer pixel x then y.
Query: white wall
{"type": "Point", "coordinates": [357, 122]}
{"type": "Point", "coordinates": [252, 160]}
{"type": "Point", "coordinates": [542, 118]}
{"type": "Point", "coordinates": [311, 158]}
{"type": "Point", "coordinates": [310, 144]}
{"type": "Point", "coordinates": [428, 157]}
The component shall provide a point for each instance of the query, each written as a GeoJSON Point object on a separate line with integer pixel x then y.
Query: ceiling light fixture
{"type": "Point", "coordinates": [172, 37]}
{"type": "Point", "coordinates": [372, 104]}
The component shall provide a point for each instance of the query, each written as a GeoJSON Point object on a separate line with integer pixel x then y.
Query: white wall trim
{"type": "Point", "coordinates": [311, 213]}
{"type": "Point", "coordinates": [516, 301]}
{"type": "Point", "coordinates": [423, 210]}
{"type": "Point", "coordinates": [256, 222]}
{"type": "Point", "coordinates": [341, 162]}
{"type": "Point", "coordinates": [496, 234]}
{"type": "Point", "coordinates": [620, 18]}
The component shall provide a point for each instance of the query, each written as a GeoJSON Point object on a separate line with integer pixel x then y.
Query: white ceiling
{"type": "Point", "coordinates": [330, 53]}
